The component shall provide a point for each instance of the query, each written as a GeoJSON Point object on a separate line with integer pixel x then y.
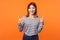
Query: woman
{"type": "Point", "coordinates": [31, 23]}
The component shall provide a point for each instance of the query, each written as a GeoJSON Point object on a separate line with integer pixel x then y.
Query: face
{"type": "Point", "coordinates": [31, 10]}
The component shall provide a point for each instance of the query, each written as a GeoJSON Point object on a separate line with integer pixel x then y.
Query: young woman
{"type": "Point", "coordinates": [31, 23]}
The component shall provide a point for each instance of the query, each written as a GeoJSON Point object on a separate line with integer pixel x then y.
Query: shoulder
{"type": "Point", "coordinates": [23, 17]}
{"type": "Point", "coordinates": [38, 18]}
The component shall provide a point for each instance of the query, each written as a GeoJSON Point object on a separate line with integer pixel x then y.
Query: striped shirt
{"type": "Point", "coordinates": [31, 26]}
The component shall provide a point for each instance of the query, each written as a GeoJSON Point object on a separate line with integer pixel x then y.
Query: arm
{"type": "Point", "coordinates": [40, 26]}
{"type": "Point", "coordinates": [21, 25]}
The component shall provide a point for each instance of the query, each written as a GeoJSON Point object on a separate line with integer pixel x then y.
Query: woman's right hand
{"type": "Point", "coordinates": [19, 20]}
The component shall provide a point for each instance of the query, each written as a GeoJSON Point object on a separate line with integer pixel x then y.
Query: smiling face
{"type": "Point", "coordinates": [31, 9]}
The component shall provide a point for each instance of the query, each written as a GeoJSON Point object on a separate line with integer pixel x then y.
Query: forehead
{"type": "Point", "coordinates": [31, 5]}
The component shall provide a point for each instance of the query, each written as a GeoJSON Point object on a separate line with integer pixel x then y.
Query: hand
{"type": "Point", "coordinates": [42, 20]}
{"type": "Point", "coordinates": [19, 20]}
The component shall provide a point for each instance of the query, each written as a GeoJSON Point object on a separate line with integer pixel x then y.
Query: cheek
{"type": "Point", "coordinates": [33, 9]}
{"type": "Point", "coordinates": [29, 9]}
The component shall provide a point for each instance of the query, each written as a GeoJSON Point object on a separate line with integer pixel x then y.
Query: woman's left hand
{"type": "Point", "coordinates": [42, 20]}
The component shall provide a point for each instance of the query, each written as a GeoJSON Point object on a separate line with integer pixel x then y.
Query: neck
{"type": "Point", "coordinates": [31, 16]}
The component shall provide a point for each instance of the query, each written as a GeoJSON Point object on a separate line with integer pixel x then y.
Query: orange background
{"type": "Point", "coordinates": [10, 9]}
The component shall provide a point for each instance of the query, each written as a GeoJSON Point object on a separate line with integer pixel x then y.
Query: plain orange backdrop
{"type": "Point", "coordinates": [11, 9]}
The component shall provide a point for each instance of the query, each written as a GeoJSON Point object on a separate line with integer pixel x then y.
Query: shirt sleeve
{"type": "Point", "coordinates": [21, 25]}
{"type": "Point", "coordinates": [40, 26]}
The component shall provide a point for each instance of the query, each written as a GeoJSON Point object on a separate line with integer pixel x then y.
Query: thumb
{"type": "Point", "coordinates": [19, 18]}
{"type": "Point", "coordinates": [42, 17]}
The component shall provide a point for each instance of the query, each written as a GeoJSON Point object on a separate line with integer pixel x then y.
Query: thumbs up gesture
{"type": "Point", "coordinates": [42, 20]}
{"type": "Point", "coordinates": [19, 20]}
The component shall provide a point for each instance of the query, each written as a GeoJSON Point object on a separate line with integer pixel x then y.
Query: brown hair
{"type": "Point", "coordinates": [32, 3]}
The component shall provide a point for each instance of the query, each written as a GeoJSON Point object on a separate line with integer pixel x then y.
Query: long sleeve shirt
{"type": "Point", "coordinates": [31, 26]}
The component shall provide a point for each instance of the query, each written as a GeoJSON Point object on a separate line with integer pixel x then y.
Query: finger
{"type": "Point", "coordinates": [18, 17]}
{"type": "Point", "coordinates": [42, 18]}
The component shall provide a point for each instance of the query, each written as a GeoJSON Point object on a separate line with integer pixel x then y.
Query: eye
{"type": "Point", "coordinates": [33, 7]}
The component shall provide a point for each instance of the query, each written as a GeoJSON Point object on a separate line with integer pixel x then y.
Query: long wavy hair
{"type": "Point", "coordinates": [35, 14]}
